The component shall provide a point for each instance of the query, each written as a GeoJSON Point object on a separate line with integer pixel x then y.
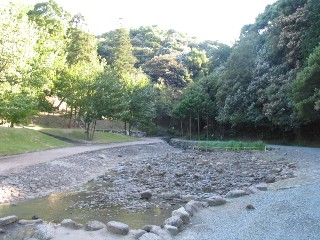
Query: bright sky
{"type": "Point", "coordinates": [205, 19]}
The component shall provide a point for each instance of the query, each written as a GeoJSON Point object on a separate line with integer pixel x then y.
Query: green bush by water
{"type": "Point", "coordinates": [231, 145]}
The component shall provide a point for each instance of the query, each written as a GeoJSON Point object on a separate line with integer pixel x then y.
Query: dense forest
{"type": "Point", "coordinates": [267, 85]}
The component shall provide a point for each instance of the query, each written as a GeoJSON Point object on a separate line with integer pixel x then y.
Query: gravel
{"type": "Point", "coordinates": [289, 211]}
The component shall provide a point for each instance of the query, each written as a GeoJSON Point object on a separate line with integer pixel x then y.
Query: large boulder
{"type": "Point", "coordinates": [193, 206]}
{"type": "Point", "coordinates": [44, 232]}
{"type": "Point", "coordinates": [68, 223]}
{"type": "Point", "coordinates": [8, 220]}
{"type": "Point", "coordinates": [118, 228]}
{"type": "Point", "coordinates": [161, 232]}
{"type": "Point", "coordinates": [94, 226]}
{"type": "Point", "coordinates": [183, 214]}
{"type": "Point", "coordinates": [146, 194]}
{"type": "Point", "coordinates": [175, 221]}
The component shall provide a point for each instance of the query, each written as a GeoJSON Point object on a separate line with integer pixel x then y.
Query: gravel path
{"type": "Point", "coordinates": [289, 211]}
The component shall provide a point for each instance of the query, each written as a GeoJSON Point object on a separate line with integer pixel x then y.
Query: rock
{"type": "Point", "coordinates": [216, 201]}
{"type": "Point", "coordinates": [262, 186]}
{"type": "Point", "coordinates": [175, 221]}
{"type": "Point", "coordinates": [118, 228]}
{"type": "Point", "coordinates": [236, 193]}
{"type": "Point", "coordinates": [193, 206]}
{"type": "Point", "coordinates": [68, 223]}
{"type": "Point", "coordinates": [27, 222]}
{"type": "Point", "coordinates": [270, 179]}
{"type": "Point", "coordinates": [250, 207]}
{"type": "Point", "coordinates": [35, 217]}
{"type": "Point", "coordinates": [183, 214]}
{"type": "Point", "coordinates": [187, 198]}
{"type": "Point", "coordinates": [146, 194]}
{"type": "Point", "coordinates": [94, 226]}
{"type": "Point", "coordinates": [150, 236]}
{"type": "Point", "coordinates": [171, 229]}
{"type": "Point", "coordinates": [8, 220]}
{"type": "Point", "coordinates": [2, 231]}
{"type": "Point", "coordinates": [44, 232]}
{"type": "Point", "coordinates": [147, 228]}
{"type": "Point", "coordinates": [137, 233]}
{"type": "Point", "coordinates": [161, 232]}
{"type": "Point", "coordinates": [252, 190]}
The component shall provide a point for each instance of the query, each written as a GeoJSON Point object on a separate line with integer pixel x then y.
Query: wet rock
{"type": "Point", "coordinates": [236, 193]}
{"type": "Point", "coordinates": [193, 206]}
{"type": "Point", "coordinates": [8, 220]}
{"type": "Point", "coordinates": [44, 232]}
{"type": "Point", "coordinates": [69, 223]}
{"type": "Point", "coordinates": [171, 229]}
{"type": "Point", "coordinates": [118, 228]}
{"type": "Point", "coordinates": [175, 221]}
{"type": "Point", "coordinates": [146, 194]}
{"type": "Point", "coordinates": [2, 231]}
{"type": "Point", "coordinates": [216, 201]}
{"type": "Point", "coordinates": [150, 236]}
{"type": "Point", "coordinates": [183, 214]}
{"type": "Point", "coordinates": [250, 207]}
{"type": "Point", "coordinates": [270, 179]}
{"type": "Point", "coordinates": [262, 186]}
{"type": "Point", "coordinates": [94, 226]}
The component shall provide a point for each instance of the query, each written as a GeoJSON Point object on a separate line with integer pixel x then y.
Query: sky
{"type": "Point", "coordinates": [219, 20]}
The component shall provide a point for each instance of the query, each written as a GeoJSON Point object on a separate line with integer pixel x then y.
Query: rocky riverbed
{"type": "Point", "coordinates": [118, 176]}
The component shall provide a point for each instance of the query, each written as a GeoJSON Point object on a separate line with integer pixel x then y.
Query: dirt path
{"type": "Point", "coordinates": [14, 163]}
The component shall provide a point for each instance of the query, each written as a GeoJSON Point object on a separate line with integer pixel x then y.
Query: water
{"type": "Point", "coordinates": [55, 208]}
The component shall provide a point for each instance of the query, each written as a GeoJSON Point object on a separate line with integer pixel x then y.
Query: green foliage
{"type": "Point", "coordinates": [231, 145]}
{"type": "Point", "coordinates": [306, 88]}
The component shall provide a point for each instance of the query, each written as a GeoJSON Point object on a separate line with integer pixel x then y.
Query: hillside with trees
{"type": "Point", "coordinates": [267, 85]}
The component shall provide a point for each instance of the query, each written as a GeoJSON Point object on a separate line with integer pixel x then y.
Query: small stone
{"type": "Point", "coordinates": [2, 231]}
{"type": "Point", "coordinates": [118, 228]}
{"type": "Point", "coordinates": [187, 198]}
{"type": "Point", "coordinates": [236, 193]}
{"type": "Point", "coordinates": [262, 186]}
{"type": "Point", "coordinates": [146, 194]}
{"type": "Point", "coordinates": [216, 201]}
{"type": "Point", "coordinates": [270, 179]}
{"type": "Point", "coordinates": [94, 226]}
{"type": "Point", "coordinates": [250, 207]}
{"type": "Point", "coordinates": [35, 217]}
{"type": "Point", "coordinates": [8, 220]}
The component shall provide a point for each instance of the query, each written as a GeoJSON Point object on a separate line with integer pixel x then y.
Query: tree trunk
{"type": "Point", "coordinates": [181, 126]}
{"type": "Point", "coordinates": [198, 125]}
{"type": "Point", "coordinates": [207, 127]}
{"type": "Point", "coordinates": [190, 126]}
{"type": "Point", "coordinates": [70, 119]}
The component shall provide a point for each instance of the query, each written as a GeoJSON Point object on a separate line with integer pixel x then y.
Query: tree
{"type": "Point", "coordinates": [17, 47]}
{"type": "Point", "coordinates": [306, 88]}
{"type": "Point", "coordinates": [197, 63]}
{"type": "Point", "coordinates": [165, 69]}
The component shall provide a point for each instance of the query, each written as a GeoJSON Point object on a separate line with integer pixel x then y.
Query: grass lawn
{"type": "Point", "coordinates": [231, 145]}
{"type": "Point", "coordinates": [18, 140]}
{"type": "Point", "coordinates": [80, 136]}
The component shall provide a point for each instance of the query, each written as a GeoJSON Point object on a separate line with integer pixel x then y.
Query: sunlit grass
{"type": "Point", "coordinates": [231, 145]}
{"type": "Point", "coordinates": [79, 135]}
{"type": "Point", "coordinates": [19, 140]}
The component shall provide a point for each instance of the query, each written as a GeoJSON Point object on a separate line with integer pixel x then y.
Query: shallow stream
{"type": "Point", "coordinates": [56, 207]}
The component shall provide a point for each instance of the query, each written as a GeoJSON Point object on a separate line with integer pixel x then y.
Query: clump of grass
{"type": "Point", "coordinates": [231, 145]}
{"type": "Point", "coordinates": [19, 140]}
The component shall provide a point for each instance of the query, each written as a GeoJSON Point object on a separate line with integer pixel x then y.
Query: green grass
{"type": "Point", "coordinates": [19, 140]}
{"type": "Point", "coordinates": [79, 135]}
{"type": "Point", "coordinates": [231, 145]}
